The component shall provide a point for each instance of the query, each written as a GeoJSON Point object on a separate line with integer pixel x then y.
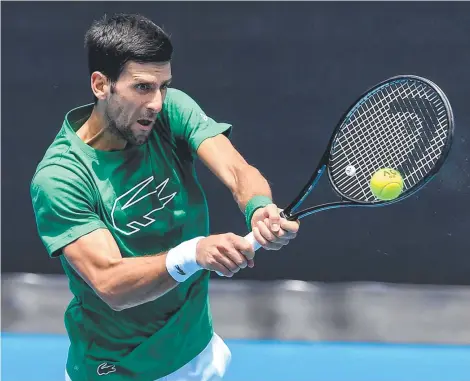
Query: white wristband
{"type": "Point", "coordinates": [181, 260]}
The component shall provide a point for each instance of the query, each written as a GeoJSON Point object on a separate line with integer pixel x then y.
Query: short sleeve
{"type": "Point", "coordinates": [63, 207]}
{"type": "Point", "coordinates": [188, 121]}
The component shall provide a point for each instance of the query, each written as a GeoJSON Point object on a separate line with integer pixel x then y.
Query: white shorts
{"type": "Point", "coordinates": [209, 365]}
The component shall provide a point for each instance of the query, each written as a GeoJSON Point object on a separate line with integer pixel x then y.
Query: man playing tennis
{"type": "Point", "coordinates": [116, 198]}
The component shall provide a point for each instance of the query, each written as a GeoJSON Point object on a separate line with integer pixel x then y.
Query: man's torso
{"type": "Point", "coordinates": [150, 200]}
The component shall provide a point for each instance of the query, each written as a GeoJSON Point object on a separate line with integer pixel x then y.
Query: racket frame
{"type": "Point", "coordinates": [291, 213]}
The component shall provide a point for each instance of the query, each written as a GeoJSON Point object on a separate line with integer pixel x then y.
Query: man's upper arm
{"type": "Point", "coordinates": [91, 253]}
{"type": "Point", "coordinates": [63, 207]}
{"type": "Point", "coordinates": [68, 224]}
{"type": "Point", "coordinates": [221, 157]}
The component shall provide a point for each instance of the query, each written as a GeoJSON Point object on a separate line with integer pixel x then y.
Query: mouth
{"type": "Point", "coordinates": [145, 124]}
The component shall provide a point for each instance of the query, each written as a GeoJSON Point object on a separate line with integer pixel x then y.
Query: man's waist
{"type": "Point", "coordinates": [166, 350]}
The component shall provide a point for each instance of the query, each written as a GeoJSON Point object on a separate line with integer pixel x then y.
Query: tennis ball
{"type": "Point", "coordinates": [386, 184]}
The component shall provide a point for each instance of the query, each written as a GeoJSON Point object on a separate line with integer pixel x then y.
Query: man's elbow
{"type": "Point", "coordinates": [119, 301]}
{"type": "Point", "coordinates": [115, 305]}
{"type": "Point", "coordinates": [110, 296]}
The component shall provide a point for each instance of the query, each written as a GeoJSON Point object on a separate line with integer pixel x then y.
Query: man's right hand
{"type": "Point", "coordinates": [225, 253]}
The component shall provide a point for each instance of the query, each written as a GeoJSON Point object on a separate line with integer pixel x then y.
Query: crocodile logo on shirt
{"type": "Point", "coordinates": [137, 194]}
{"type": "Point", "coordinates": [105, 368]}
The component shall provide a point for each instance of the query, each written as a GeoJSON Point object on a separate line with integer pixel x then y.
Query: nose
{"type": "Point", "coordinates": [156, 103]}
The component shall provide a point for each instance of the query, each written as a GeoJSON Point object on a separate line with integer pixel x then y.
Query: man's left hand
{"type": "Point", "coordinates": [271, 230]}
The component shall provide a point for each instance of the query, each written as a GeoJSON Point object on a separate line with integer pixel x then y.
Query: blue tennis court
{"type": "Point", "coordinates": [41, 358]}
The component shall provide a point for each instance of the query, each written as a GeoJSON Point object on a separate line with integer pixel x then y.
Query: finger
{"type": "Point", "coordinates": [251, 263]}
{"type": "Point", "coordinates": [274, 217]}
{"type": "Point", "coordinates": [236, 257]}
{"type": "Point", "coordinates": [269, 235]}
{"type": "Point", "coordinates": [284, 233]}
{"type": "Point", "coordinates": [226, 260]}
{"type": "Point", "coordinates": [259, 237]}
{"type": "Point", "coordinates": [274, 246]}
{"type": "Point", "coordinates": [243, 246]}
{"type": "Point", "coordinates": [221, 269]}
{"type": "Point", "coordinates": [262, 231]}
{"type": "Point", "coordinates": [290, 226]}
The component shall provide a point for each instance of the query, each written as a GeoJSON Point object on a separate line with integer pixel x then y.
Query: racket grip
{"type": "Point", "coordinates": [250, 238]}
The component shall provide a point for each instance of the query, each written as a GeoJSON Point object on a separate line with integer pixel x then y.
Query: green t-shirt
{"type": "Point", "coordinates": [150, 199]}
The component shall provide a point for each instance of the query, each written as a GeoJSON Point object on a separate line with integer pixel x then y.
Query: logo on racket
{"type": "Point", "coordinates": [350, 170]}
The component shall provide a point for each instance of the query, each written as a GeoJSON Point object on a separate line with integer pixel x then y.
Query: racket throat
{"type": "Point", "coordinates": [320, 208]}
{"type": "Point", "coordinates": [306, 190]}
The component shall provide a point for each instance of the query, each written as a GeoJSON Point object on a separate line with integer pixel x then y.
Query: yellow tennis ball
{"type": "Point", "coordinates": [386, 184]}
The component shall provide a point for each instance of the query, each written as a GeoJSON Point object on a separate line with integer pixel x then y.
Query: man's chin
{"type": "Point", "coordinates": [139, 140]}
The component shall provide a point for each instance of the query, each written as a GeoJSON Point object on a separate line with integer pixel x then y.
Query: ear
{"type": "Point", "coordinates": [100, 85]}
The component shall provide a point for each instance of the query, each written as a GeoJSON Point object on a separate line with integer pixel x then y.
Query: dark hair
{"type": "Point", "coordinates": [113, 41]}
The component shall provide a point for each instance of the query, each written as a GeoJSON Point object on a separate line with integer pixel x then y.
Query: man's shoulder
{"type": "Point", "coordinates": [59, 162]}
{"type": "Point", "coordinates": [179, 98]}
{"type": "Point", "coordinates": [57, 153]}
{"type": "Point", "coordinates": [179, 106]}
{"type": "Point", "coordinates": [63, 150]}
{"type": "Point", "coordinates": [173, 94]}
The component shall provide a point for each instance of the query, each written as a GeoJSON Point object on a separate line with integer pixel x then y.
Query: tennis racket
{"type": "Point", "coordinates": [404, 123]}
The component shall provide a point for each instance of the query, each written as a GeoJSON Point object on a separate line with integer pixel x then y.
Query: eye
{"type": "Point", "coordinates": [165, 86]}
{"type": "Point", "coordinates": [143, 87]}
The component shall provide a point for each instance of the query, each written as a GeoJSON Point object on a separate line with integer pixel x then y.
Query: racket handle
{"type": "Point", "coordinates": [250, 238]}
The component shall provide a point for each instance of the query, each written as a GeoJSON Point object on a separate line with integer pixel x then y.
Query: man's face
{"type": "Point", "coordinates": [135, 100]}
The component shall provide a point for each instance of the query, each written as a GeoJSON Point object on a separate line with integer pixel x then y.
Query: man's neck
{"type": "Point", "coordinates": [94, 133]}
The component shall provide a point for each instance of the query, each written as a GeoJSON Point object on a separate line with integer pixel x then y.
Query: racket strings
{"type": "Point", "coordinates": [372, 152]}
{"type": "Point", "coordinates": [373, 143]}
{"type": "Point", "coordinates": [402, 125]}
{"type": "Point", "coordinates": [435, 139]}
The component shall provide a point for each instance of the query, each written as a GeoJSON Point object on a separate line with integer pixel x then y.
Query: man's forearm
{"type": "Point", "coordinates": [127, 282]}
{"type": "Point", "coordinates": [249, 183]}
{"type": "Point", "coordinates": [133, 281]}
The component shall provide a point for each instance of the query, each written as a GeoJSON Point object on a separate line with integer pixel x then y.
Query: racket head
{"type": "Point", "coordinates": [405, 123]}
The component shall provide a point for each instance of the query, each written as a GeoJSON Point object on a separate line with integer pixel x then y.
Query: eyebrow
{"type": "Point", "coordinates": [139, 79]}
